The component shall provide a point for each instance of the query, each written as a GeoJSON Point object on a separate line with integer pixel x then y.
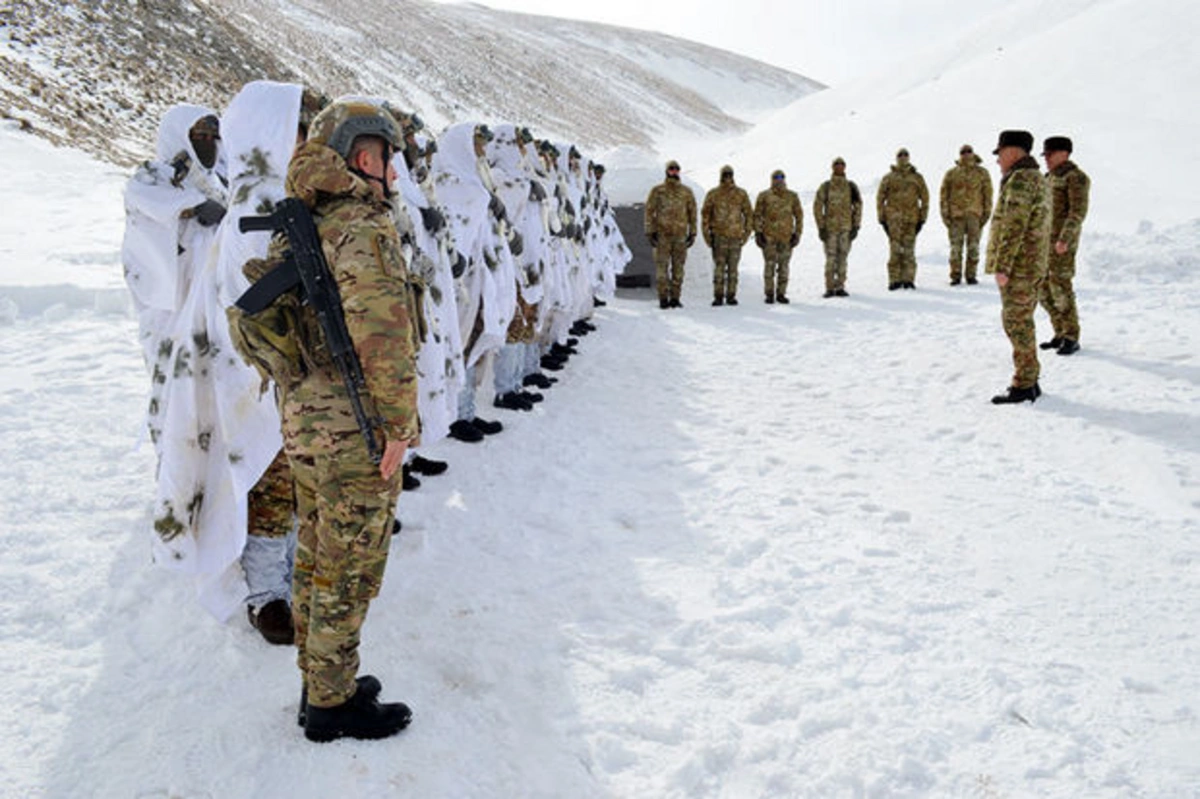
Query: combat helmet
{"type": "Point", "coordinates": [338, 125]}
{"type": "Point", "coordinates": [312, 102]}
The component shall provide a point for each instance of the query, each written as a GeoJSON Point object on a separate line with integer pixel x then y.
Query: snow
{"type": "Point", "coordinates": [737, 552]}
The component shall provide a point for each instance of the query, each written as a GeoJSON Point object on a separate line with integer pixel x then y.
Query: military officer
{"type": "Point", "coordinates": [778, 224]}
{"type": "Point", "coordinates": [1017, 255]}
{"type": "Point", "coordinates": [671, 228]}
{"type": "Point", "coordinates": [966, 204]}
{"type": "Point", "coordinates": [837, 209]}
{"type": "Point", "coordinates": [1069, 188]}
{"type": "Point", "coordinates": [726, 220]}
{"type": "Point", "coordinates": [902, 204]}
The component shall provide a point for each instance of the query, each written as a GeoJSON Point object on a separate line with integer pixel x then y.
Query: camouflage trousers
{"type": "Point", "coordinates": [727, 252]}
{"type": "Point", "coordinates": [1018, 300]}
{"type": "Point", "coordinates": [272, 501]}
{"type": "Point", "coordinates": [964, 229]}
{"type": "Point", "coordinates": [669, 257]}
{"type": "Point", "coordinates": [346, 510]}
{"type": "Point", "coordinates": [902, 260]}
{"type": "Point", "coordinates": [837, 248]}
{"type": "Point", "coordinates": [777, 256]}
{"type": "Point", "coordinates": [1058, 296]}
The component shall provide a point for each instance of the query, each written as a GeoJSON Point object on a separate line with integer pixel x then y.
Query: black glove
{"type": "Point", "coordinates": [760, 240]}
{"type": "Point", "coordinates": [459, 266]}
{"type": "Point", "coordinates": [496, 206]}
{"type": "Point", "coordinates": [853, 233]}
{"type": "Point", "coordinates": [209, 213]}
{"type": "Point", "coordinates": [516, 244]}
{"type": "Point", "coordinates": [920, 225]}
{"type": "Point", "coordinates": [691, 239]}
{"type": "Point", "coordinates": [886, 232]}
{"type": "Point", "coordinates": [653, 239]}
{"type": "Point", "coordinates": [822, 234]}
{"type": "Point", "coordinates": [536, 192]}
{"type": "Point", "coordinates": [433, 219]}
{"type": "Point", "coordinates": [794, 240]}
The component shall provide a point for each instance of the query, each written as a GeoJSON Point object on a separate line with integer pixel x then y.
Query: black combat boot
{"type": "Point", "coordinates": [1052, 344]}
{"type": "Point", "coordinates": [531, 396]}
{"type": "Point", "coordinates": [829, 293]}
{"type": "Point", "coordinates": [463, 430]}
{"type": "Point", "coordinates": [538, 379]}
{"type": "Point", "coordinates": [563, 351]}
{"type": "Point", "coordinates": [552, 363]}
{"type": "Point", "coordinates": [273, 622]}
{"type": "Point", "coordinates": [717, 301]}
{"type": "Point", "coordinates": [1069, 346]}
{"type": "Point", "coordinates": [841, 293]}
{"type": "Point", "coordinates": [512, 401]}
{"type": "Point", "coordinates": [675, 303]}
{"type": "Point", "coordinates": [781, 299]}
{"type": "Point", "coordinates": [360, 716]}
{"type": "Point", "coordinates": [955, 281]}
{"type": "Point", "coordinates": [368, 685]}
{"type": "Point", "coordinates": [427, 466]}
{"type": "Point", "coordinates": [770, 300]}
{"type": "Point", "coordinates": [894, 285]}
{"type": "Point", "coordinates": [1015, 395]}
{"type": "Point", "coordinates": [731, 300]}
{"type": "Point", "coordinates": [408, 482]}
{"type": "Point", "coordinates": [486, 427]}
{"type": "Point", "coordinates": [972, 281]}
{"type": "Point", "coordinates": [663, 302]}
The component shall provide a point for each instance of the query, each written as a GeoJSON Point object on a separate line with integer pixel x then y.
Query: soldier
{"type": "Point", "coordinates": [902, 204]}
{"type": "Point", "coordinates": [1069, 188]}
{"type": "Point", "coordinates": [671, 228]}
{"type": "Point", "coordinates": [1017, 255]}
{"type": "Point", "coordinates": [966, 203]}
{"type": "Point", "coordinates": [345, 503]}
{"type": "Point", "coordinates": [778, 224]}
{"type": "Point", "coordinates": [726, 221]}
{"type": "Point", "coordinates": [837, 209]}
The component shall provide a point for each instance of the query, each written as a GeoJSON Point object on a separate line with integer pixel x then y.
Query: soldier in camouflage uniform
{"type": "Point", "coordinates": [837, 209]}
{"type": "Point", "coordinates": [902, 204]}
{"type": "Point", "coordinates": [966, 203]}
{"type": "Point", "coordinates": [1017, 256]}
{"type": "Point", "coordinates": [1069, 188]}
{"type": "Point", "coordinates": [778, 224]}
{"type": "Point", "coordinates": [726, 220]}
{"type": "Point", "coordinates": [671, 228]}
{"type": "Point", "coordinates": [345, 503]}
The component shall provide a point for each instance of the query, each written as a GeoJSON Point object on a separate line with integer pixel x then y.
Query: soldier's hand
{"type": "Point", "coordinates": [1061, 247]}
{"type": "Point", "coordinates": [209, 213]}
{"type": "Point", "coordinates": [794, 240]}
{"type": "Point", "coordinates": [853, 233]}
{"type": "Point", "coordinates": [822, 233]}
{"type": "Point", "coordinates": [432, 219]}
{"type": "Point", "coordinates": [920, 225]}
{"type": "Point", "coordinates": [1001, 279]}
{"type": "Point", "coordinates": [886, 232]}
{"type": "Point", "coordinates": [393, 456]}
{"type": "Point", "coordinates": [760, 240]}
{"type": "Point", "coordinates": [653, 239]}
{"type": "Point", "coordinates": [691, 239]}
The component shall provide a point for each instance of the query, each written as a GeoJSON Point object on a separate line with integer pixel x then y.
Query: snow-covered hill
{"type": "Point", "coordinates": [99, 74]}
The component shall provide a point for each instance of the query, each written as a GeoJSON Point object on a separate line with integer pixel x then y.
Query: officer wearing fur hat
{"type": "Point", "coordinates": [902, 204]}
{"type": "Point", "coordinates": [1017, 253]}
{"type": "Point", "coordinates": [837, 209]}
{"type": "Point", "coordinates": [726, 220]}
{"type": "Point", "coordinates": [966, 203]}
{"type": "Point", "coordinates": [344, 501]}
{"type": "Point", "coordinates": [1069, 188]}
{"type": "Point", "coordinates": [671, 227]}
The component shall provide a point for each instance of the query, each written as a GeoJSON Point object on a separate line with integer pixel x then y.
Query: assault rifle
{"type": "Point", "coordinates": [305, 267]}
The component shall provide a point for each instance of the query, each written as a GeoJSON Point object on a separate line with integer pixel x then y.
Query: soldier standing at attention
{"type": "Point", "coordinates": [344, 501]}
{"type": "Point", "coordinates": [671, 228]}
{"type": "Point", "coordinates": [966, 201]}
{"type": "Point", "coordinates": [726, 221]}
{"type": "Point", "coordinates": [778, 224]}
{"type": "Point", "coordinates": [837, 209]}
{"type": "Point", "coordinates": [902, 204]}
{"type": "Point", "coordinates": [1069, 188]}
{"type": "Point", "coordinates": [1017, 254]}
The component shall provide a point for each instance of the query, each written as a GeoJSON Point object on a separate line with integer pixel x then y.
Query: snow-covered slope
{"type": "Point", "coordinates": [1118, 76]}
{"type": "Point", "coordinates": [99, 74]}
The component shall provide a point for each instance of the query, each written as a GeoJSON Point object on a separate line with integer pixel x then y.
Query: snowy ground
{"type": "Point", "coordinates": [752, 552]}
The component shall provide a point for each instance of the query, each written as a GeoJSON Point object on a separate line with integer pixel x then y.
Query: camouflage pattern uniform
{"type": "Point", "coordinates": [671, 228]}
{"type": "Point", "coordinates": [1069, 188]}
{"type": "Point", "coordinates": [966, 204]}
{"type": "Point", "coordinates": [272, 501]}
{"type": "Point", "coordinates": [902, 205]}
{"type": "Point", "coordinates": [837, 209]}
{"type": "Point", "coordinates": [345, 507]}
{"type": "Point", "coordinates": [778, 225]}
{"type": "Point", "coordinates": [726, 220]}
{"type": "Point", "coordinates": [1017, 247]}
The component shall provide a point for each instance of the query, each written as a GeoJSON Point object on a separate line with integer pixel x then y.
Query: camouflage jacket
{"type": "Point", "coordinates": [838, 205]}
{"type": "Point", "coordinates": [671, 210]}
{"type": "Point", "coordinates": [1069, 188]}
{"type": "Point", "coordinates": [726, 212]}
{"type": "Point", "coordinates": [1017, 242]}
{"type": "Point", "coordinates": [902, 196]}
{"type": "Point", "coordinates": [966, 191]}
{"type": "Point", "coordinates": [778, 214]}
{"type": "Point", "coordinates": [363, 251]}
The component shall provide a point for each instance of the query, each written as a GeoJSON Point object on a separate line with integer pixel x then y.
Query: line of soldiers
{"type": "Point", "coordinates": [902, 202]}
{"type": "Point", "coordinates": [474, 249]}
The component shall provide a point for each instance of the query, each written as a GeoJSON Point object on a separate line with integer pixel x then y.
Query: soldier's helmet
{"type": "Point", "coordinates": [672, 165]}
{"type": "Point", "coordinates": [598, 170]}
{"type": "Point", "coordinates": [484, 132]}
{"type": "Point", "coordinates": [574, 153]}
{"type": "Point", "coordinates": [726, 171]}
{"type": "Point", "coordinates": [524, 135]}
{"type": "Point", "coordinates": [838, 160]}
{"type": "Point", "coordinates": [338, 125]}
